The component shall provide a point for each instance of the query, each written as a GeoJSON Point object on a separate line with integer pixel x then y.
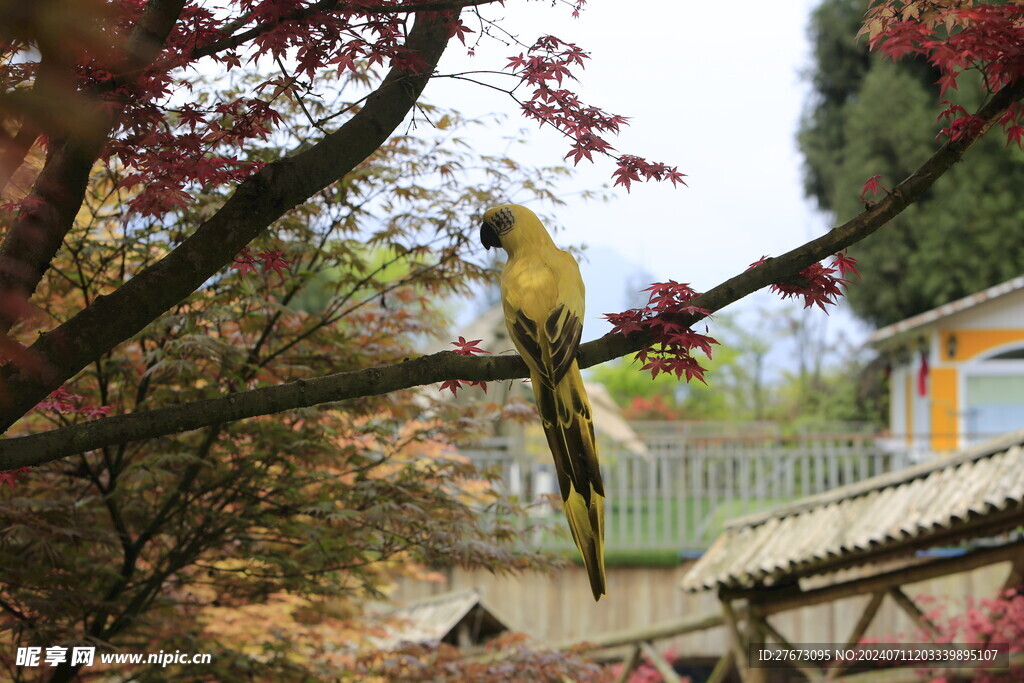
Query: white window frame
{"type": "Point", "coordinates": [982, 365]}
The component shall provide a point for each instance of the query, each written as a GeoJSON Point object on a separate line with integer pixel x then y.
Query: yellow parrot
{"type": "Point", "coordinates": [542, 295]}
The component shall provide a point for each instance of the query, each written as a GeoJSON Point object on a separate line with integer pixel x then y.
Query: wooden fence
{"type": "Point", "coordinates": [678, 495]}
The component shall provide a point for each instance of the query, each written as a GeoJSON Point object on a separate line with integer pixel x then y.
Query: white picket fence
{"type": "Point", "coordinates": [680, 493]}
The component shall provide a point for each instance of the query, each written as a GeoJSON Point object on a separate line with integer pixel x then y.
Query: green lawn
{"type": "Point", "coordinates": [653, 530]}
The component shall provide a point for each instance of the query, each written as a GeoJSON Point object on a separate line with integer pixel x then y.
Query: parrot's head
{"type": "Point", "coordinates": [511, 226]}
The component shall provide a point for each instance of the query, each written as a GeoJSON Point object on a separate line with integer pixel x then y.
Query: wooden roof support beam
{"type": "Point", "coordinates": [914, 612]}
{"type": "Point", "coordinates": [628, 665]}
{"type": "Point", "coordinates": [736, 644]}
{"type": "Point", "coordinates": [812, 673]}
{"type": "Point", "coordinates": [871, 584]}
{"type": "Point", "coordinates": [859, 629]}
{"type": "Point", "coordinates": [666, 629]}
{"type": "Point", "coordinates": [1015, 578]}
{"type": "Point", "coordinates": [722, 667]}
{"type": "Point", "coordinates": [668, 674]}
{"type": "Point", "coordinates": [866, 617]}
{"type": "Point", "coordinates": [609, 643]}
{"type": "Point", "coordinates": [755, 640]}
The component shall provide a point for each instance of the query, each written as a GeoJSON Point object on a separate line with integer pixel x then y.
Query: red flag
{"type": "Point", "coordinates": [922, 375]}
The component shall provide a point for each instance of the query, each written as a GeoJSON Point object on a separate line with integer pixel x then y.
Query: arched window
{"type": "Point", "coordinates": [994, 394]}
{"type": "Point", "coordinates": [1012, 354]}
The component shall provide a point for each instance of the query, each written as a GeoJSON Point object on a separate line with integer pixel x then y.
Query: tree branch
{"type": "Point", "coordinates": [57, 193]}
{"type": "Point", "coordinates": [256, 203]}
{"type": "Point", "coordinates": [37, 449]}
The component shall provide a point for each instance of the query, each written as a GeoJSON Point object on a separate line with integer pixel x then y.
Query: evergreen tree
{"type": "Point", "coordinates": [865, 119]}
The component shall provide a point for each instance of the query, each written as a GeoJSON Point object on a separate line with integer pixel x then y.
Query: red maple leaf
{"type": "Point", "coordinates": [12, 477]}
{"type": "Point", "coordinates": [453, 385]}
{"type": "Point", "coordinates": [59, 401]}
{"type": "Point", "coordinates": [946, 81]}
{"type": "Point", "coordinates": [1014, 134]}
{"type": "Point", "coordinates": [459, 30]}
{"type": "Point", "coordinates": [626, 322]}
{"type": "Point", "coordinates": [689, 367]}
{"type": "Point", "coordinates": [191, 117]}
{"type": "Point", "coordinates": [272, 261]}
{"type": "Point", "coordinates": [845, 264]}
{"type": "Point", "coordinates": [64, 402]}
{"type": "Point", "coordinates": [656, 365]}
{"type": "Point", "coordinates": [468, 348]}
{"type": "Point", "coordinates": [815, 283]}
{"type": "Point", "coordinates": [244, 262]}
{"type": "Point", "coordinates": [872, 186]}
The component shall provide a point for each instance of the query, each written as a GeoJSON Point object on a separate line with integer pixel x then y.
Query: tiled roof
{"type": "Point", "coordinates": [433, 619]}
{"type": "Point", "coordinates": [850, 525]}
{"type": "Point", "coordinates": [952, 307]}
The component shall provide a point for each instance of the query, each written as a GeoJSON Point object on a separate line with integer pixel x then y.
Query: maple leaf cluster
{"type": "Point", "coordinates": [961, 123]}
{"type": "Point", "coordinates": [245, 262]}
{"type": "Point", "coordinates": [818, 284]}
{"type": "Point", "coordinates": [13, 477]}
{"type": "Point", "coordinates": [671, 345]}
{"type": "Point", "coordinates": [63, 402]}
{"type": "Point", "coordinates": [545, 66]}
{"type": "Point", "coordinates": [464, 348]}
{"type": "Point", "coordinates": [171, 151]}
{"type": "Point", "coordinates": [160, 145]}
{"type": "Point", "coordinates": [955, 36]}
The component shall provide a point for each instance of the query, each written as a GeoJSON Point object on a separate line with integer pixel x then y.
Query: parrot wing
{"type": "Point", "coordinates": [543, 299]}
{"type": "Point", "coordinates": [554, 351]}
{"type": "Point", "coordinates": [561, 400]}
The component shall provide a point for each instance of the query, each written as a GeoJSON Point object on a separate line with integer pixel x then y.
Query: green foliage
{"type": "Point", "coordinates": [642, 558]}
{"type": "Point", "coordinates": [825, 385]}
{"type": "Point", "coordinates": [836, 395]}
{"type": "Point", "coordinates": [840, 64]}
{"type": "Point", "coordinates": [870, 116]}
{"type": "Point", "coordinates": [623, 380]}
{"type": "Point", "coordinates": [661, 398]}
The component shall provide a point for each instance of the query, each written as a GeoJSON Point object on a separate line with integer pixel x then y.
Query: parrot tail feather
{"type": "Point", "coordinates": [586, 522]}
{"type": "Point", "coordinates": [565, 413]}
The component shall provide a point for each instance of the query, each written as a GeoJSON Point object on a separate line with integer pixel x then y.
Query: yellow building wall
{"type": "Point", "coordinates": [970, 343]}
{"type": "Point", "coordinates": [945, 408]}
{"type": "Point", "coordinates": [945, 380]}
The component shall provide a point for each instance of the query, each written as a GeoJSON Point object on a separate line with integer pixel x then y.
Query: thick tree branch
{"type": "Point", "coordinates": [40, 448]}
{"type": "Point", "coordinates": [256, 203]}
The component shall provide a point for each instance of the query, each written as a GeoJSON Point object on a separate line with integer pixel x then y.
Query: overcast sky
{"type": "Point", "coordinates": [713, 88]}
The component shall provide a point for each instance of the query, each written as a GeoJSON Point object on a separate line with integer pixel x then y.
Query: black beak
{"type": "Point", "coordinates": [489, 236]}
